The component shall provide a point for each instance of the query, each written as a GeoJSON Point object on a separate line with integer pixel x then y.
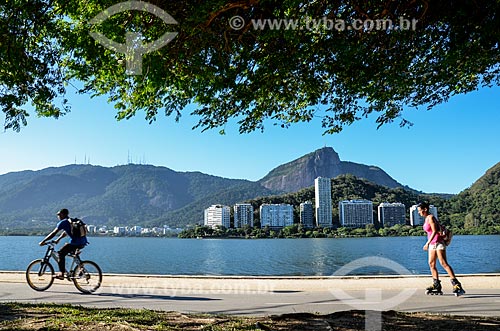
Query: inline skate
{"type": "Point", "coordinates": [435, 288]}
{"type": "Point", "coordinates": [457, 288]}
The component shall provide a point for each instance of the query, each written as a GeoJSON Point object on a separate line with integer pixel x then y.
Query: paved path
{"type": "Point", "coordinates": [267, 295]}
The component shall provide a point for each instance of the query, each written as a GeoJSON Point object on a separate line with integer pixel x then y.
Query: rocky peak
{"type": "Point", "coordinates": [300, 173]}
{"type": "Point", "coordinates": [324, 162]}
{"type": "Point", "coordinates": [325, 159]}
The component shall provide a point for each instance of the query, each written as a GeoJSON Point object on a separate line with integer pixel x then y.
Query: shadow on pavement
{"type": "Point", "coordinates": [479, 296]}
{"type": "Point", "coordinates": [265, 309]}
{"type": "Point", "coordinates": [153, 296]}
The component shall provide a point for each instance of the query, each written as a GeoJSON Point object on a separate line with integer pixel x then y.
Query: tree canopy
{"type": "Point", "coordinates": [234, 64]}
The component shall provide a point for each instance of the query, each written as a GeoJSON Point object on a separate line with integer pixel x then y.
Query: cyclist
{"type": "Point", "coordinates": [68, 248]}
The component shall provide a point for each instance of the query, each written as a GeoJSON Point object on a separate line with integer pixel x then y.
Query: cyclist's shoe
{"type": "Point", "coordinates": [59, 275]}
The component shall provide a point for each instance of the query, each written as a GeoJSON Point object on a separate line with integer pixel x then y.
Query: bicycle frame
{"type": "Point", "coordinates": [51, 253]}
{"type": "Point", "coordinates": [75, 263]}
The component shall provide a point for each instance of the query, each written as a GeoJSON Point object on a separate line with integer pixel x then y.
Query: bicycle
{"type": "Point", "coordinates": [85, 275]}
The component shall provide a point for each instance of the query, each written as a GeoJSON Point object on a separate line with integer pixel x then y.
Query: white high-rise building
{"type": "Point", "coordinates": [390, 214]}
{"type": "Point", "coordinates": [416, 219]}
{"type": "Point", "coordinates": [92, 229]}
{"type": "Point", "coordinates": [120, 230]}
{"type": "Point", "coordinates": [355, 213]}
{"type": "Point", "coordinates": [243, 215]}
{"type": "Point", "coordinates": [306, 215]}
{"type": "Point", "coordinates": [323, 197]}
{"type": "Point", "coordinates": [276, 216]}
{"type": "Point", "coordinates": [218, 215]}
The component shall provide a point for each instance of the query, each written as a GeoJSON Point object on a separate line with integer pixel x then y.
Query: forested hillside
{"type": "Point", "coordinates": [122, 195]}
{"type": "Point", "coordinates": [478, 207]}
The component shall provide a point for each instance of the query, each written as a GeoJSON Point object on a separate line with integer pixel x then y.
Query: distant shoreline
{"type": "Point", "coordinates": [249, 237]}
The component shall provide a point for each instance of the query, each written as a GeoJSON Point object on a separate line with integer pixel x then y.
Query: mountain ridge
{"type": "Point", "coordinates": [138, 194]}
{"type": "Point", "coordinates": [119, 195]}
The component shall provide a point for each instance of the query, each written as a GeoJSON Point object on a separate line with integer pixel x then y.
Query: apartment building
{"type": "Point", "coordinates": [390, 214]}
{"type": "Point", "coordinates": [355, 213]}
{"type": "Point", "coordinates": [243, 215]}
{"type": "Point", "coordinates": [307, 215]}
{"type": "Point", "coordinates": [323, 199]}
{"type": "Point", "coordinates": [217, 215]}
{"type": "Point", "coordinates": [276, 215]}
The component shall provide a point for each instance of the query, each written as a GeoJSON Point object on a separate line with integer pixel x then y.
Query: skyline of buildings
{"type": "Point", "coordinates": [352, 213]}
{"type": "Point", "coordinates": [135, 230]}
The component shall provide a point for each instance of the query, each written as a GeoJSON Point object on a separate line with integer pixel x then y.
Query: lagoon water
{"type": "Point", "coordinates": [264, 257]}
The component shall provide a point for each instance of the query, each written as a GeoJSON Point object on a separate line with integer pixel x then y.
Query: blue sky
{"type": "Point", "coordinates": [446, 150]}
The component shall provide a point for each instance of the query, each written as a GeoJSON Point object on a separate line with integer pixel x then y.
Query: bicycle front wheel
{"type": "Point", "coordinates": [40, 275]}
{"type": "Point", "coordinates": [87, 277]}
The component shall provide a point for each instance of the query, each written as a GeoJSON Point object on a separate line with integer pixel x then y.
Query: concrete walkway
{"type": "Point", "coordinates": [268, 295]}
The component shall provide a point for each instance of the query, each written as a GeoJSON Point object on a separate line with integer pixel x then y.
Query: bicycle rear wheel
{"type": "Point", "coordinates": [40, 275]}
{"type": "Point", "coordinates": [87, 277]}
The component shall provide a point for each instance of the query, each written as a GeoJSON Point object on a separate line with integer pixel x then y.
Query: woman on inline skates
{"type": "Point", "coordinates": [437, 250]}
